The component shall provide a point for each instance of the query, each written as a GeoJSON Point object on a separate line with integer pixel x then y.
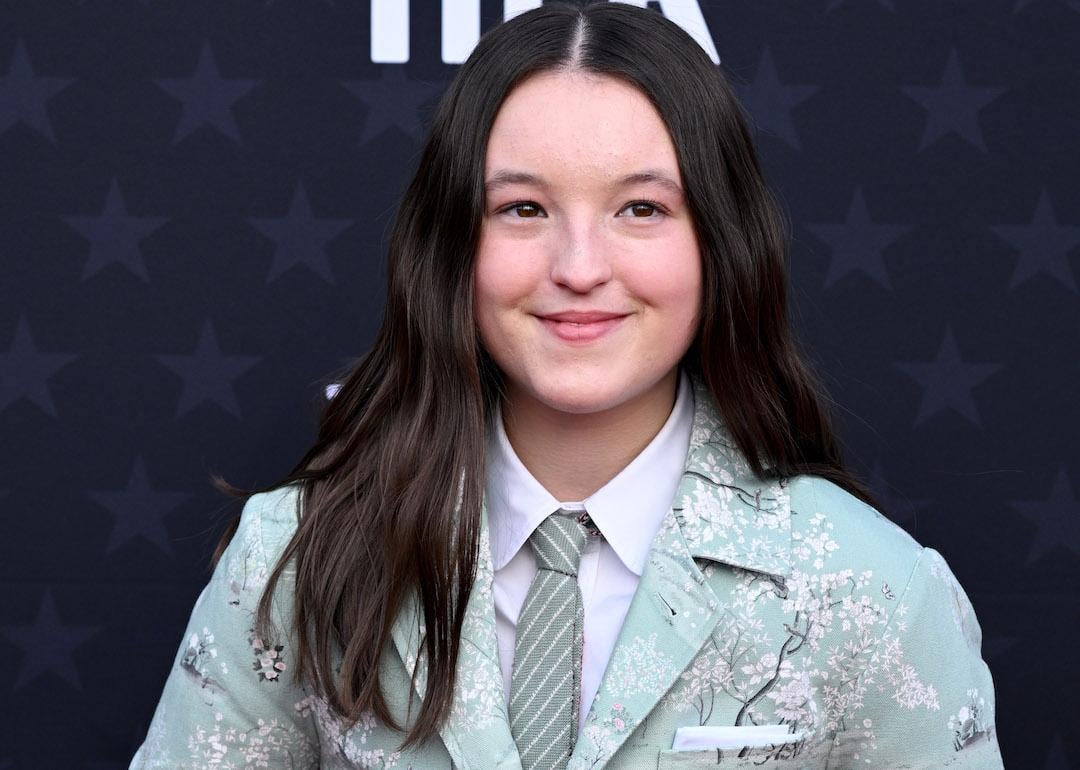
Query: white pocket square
{"type": "Point", "coordinates": [732, 737]}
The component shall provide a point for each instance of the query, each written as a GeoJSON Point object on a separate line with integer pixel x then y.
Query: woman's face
{"type": "Point", "coordinates": [580, 236]}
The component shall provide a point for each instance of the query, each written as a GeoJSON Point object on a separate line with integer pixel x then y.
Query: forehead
{"type": "Point", "coordinates": [580, 124]}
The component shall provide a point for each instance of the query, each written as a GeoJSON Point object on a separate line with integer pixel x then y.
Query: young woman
{"type": "Point", "coordinates": [580, 505]}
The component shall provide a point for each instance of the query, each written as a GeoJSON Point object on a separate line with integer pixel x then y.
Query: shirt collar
{"type": "Point", "coordinates": [628, 509]}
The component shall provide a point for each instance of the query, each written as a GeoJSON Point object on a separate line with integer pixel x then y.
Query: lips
{"type": "Point", "coordinates": [577, 331]}
{"type": "Point", "coordinates": [582, 316]}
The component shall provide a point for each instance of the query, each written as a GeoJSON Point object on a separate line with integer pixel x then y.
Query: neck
{"type": "Point", "coordinates": [573, 455]}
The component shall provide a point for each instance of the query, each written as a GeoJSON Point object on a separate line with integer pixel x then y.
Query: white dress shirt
{"type": "Point", "coordinates": [628, 511]}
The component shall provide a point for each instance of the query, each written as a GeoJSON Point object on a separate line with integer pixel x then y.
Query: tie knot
{"type": "Point", "coordinates": [559, 541]}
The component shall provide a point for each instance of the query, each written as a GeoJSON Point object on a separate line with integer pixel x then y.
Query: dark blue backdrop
{"type": "Point", "coordinates": [194, 207]}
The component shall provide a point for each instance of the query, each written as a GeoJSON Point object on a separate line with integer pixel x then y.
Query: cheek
{"type": "Point", "coordinates": [504, 275]}
{"type": "Point", "coordinates": [502, 285]}
{"type": "Point", "coordinates": [672, 283]}
{"type": "Point", "coordinates": [483, 304]}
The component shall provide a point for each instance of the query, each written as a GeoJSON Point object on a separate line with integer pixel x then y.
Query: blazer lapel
{"type": "Point", "coordinates": [477, 734]}
{"type": "Point", "coordinates": [721, 512]}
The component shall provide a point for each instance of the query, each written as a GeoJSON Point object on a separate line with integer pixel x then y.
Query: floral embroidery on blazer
{"type": "Point", "coordinates": [791, 604]}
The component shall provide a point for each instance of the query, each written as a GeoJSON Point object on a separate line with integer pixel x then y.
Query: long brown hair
{"type": "Point", "coordinates": [390, 492]}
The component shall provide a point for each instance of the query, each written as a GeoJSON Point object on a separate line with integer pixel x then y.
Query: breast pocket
{"type": "Point", "coordinates": [730, 759]}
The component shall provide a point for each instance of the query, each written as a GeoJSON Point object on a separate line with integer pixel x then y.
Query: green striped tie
{"type": "Point", "coordinates": [545, 686]}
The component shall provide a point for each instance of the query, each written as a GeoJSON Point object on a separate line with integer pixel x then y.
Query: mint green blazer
{"type": "Point", "coordinates": [763, 603]}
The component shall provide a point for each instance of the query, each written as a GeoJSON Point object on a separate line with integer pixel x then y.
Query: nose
{"type": "Point", "coordinates": [582, 256]}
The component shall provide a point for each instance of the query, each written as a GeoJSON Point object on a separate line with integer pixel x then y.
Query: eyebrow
{"type": "Point", "coordinates": [506, 177]}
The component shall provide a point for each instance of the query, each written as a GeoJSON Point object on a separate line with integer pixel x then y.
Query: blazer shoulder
{"type": "Point", "coordinates": [921, 692]}
{"type": "Point", "coordinates": [859, 532]}
{"type": "Point", "coordinates": [271, 519]}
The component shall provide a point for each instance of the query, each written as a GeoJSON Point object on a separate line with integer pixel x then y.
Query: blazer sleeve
{"type": "Point", "coordinates": [229, 699]}
{"type": "Point", "coordinates": [928, 694]}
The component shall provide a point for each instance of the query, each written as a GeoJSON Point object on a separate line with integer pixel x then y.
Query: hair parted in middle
{"type": "Point", "coordinates": [391, 490]}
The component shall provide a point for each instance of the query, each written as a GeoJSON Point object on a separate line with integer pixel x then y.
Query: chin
{"type": "Point", "coordinates": [583, 399]}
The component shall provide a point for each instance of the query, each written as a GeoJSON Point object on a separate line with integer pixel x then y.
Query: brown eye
{"type": "Point", "coordinates": [532, 210]}
{"type": "Point", "coordinates": [644, 209]}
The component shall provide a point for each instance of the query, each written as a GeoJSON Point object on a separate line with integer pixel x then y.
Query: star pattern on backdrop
{"type": "Point", "coordinates": [208, 373]}
{"type": "Point", "coordinates": [206, 97]}
{"type": "Point", "coordinates": [138, 510]}
{"type": "Point", "coordinates": [1044, 245]}
{"type": "Point", "coordinates": [192, 226]}
{"type": "Point", "coordinates": [48, 644]}
{"type": "Point", "coordinates": [393, 101]}
{"type": "Point", "coordinates": [300, 238]}
{"type": "Point", "coordinates": [24, 95]}
{"type": "Point", "coordinates": [769, 102]}
{"type": "Point", "coordinates": [115, 235]}
{"type": "Point", "coordinates": [947, 381]}
{"type": "Point", "coordinates": [857, 243]}
{"type": "Point", "coordinates": [25, 370]}
{"type": "Point", "coordinates": [952, 106]}
{"type": "Point", "coordinates": [1056, 518]}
